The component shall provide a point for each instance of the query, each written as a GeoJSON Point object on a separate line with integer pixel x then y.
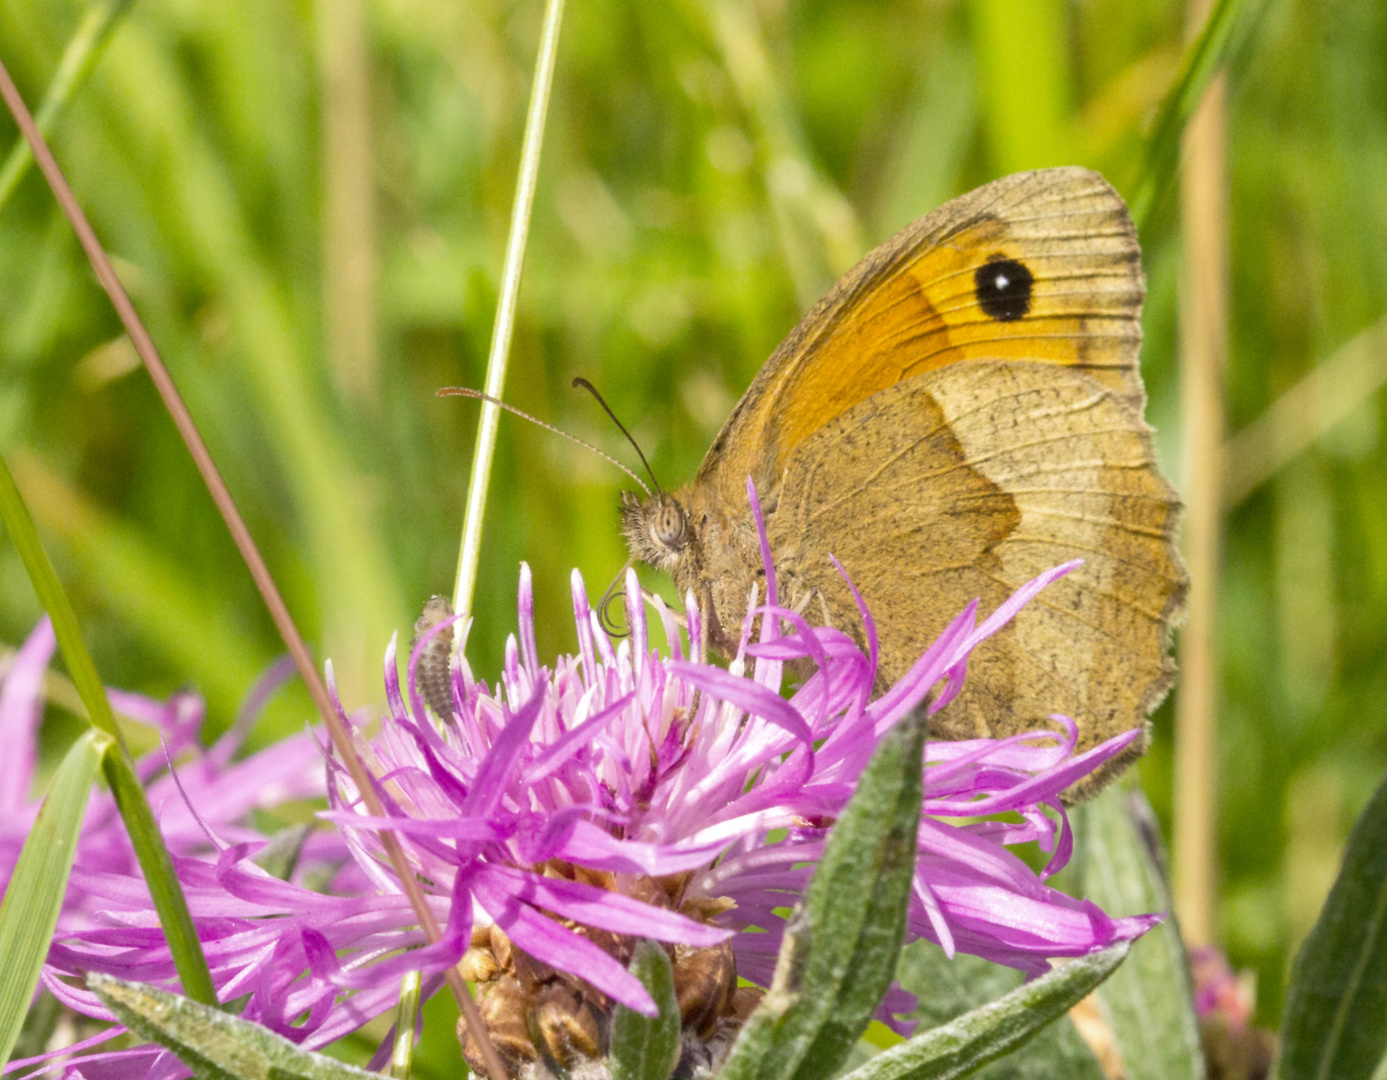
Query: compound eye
{"type": "Point", "coordinates": [669, 525]}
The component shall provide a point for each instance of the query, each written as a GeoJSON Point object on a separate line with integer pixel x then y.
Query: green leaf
{"type": "Point", "coordinates": [214, 1044]}
{"type": "Point", "coordinates": [643, 1048]}
{"type": "Point", "coordinates": [1148, 1002]}
{"type": "Point", "coordinates": [839, 953]}
{"type": "Point", "coordinates": [949, 988]}
{"type": "Point", "coordinates": [34, 897]}
{"type": "Point", "coordinates": [1205, 56]}
{"type": "Point", "coordinates": [965, 1045]}
{"type": "Point", "coordinates": [40, 1023]}
{"type": "Point", "coordinates": [1336, 1004]}
{"type": "Point", "coordinates": [80, 665]}
{"type": "Point", "coordinates": [157, 866]}
{"type": "Point", "coordinates": [117, 765]}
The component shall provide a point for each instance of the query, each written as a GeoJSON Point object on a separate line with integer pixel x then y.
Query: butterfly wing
{"type": "Point", "coordinates": [930, 297]}
{"type": "Point", "coordinates": [960, 413]}
{"type": "Point", "coordinates": [969, 481]}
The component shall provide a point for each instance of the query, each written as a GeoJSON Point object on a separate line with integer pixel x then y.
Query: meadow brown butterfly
{"type": "Point", "coordinates": [961, 412]}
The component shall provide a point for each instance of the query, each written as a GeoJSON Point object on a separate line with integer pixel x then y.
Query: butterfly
{"type": "Point", "coordinates": [960, 413]}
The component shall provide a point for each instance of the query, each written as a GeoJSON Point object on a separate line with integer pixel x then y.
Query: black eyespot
{"type": "Point", "coordinates": [668, 525]}
{"type": "Point", "coordinates": [1004, 288]}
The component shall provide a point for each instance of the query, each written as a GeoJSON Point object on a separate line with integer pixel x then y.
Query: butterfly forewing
{"type": "Point", "coordinates": [962, 412]}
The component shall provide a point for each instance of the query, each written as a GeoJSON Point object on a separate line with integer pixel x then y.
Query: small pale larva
{"type": "Point", "coordinates": [433, 673]}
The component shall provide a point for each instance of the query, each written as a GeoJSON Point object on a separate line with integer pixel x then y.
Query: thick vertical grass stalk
{"type": "Point", "coordinates": [349, 232]}
{"type": "Point", "coordinates": [1204, 347]}
{"type": "Point", "coordinates": [469, 552]}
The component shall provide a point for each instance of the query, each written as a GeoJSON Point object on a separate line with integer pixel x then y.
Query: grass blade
{"type": "Point", "coordinates": [470, 549]}
{"type": "Point", "coordinates": [80, 665]}
{"type": "Point", "coordinates": [149, 847]}
{"type": "Point", "coordinates": [406, 1013]}
{"type": "Point", "coordinates": [34, 897]}
{"type": "Point", "coordinates": [1203, 59]}
{"type": "Point", "coordinates": [82, 52]}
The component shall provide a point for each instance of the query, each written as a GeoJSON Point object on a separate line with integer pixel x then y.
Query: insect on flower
{"type": "Point", "coordinates": [566, 811]}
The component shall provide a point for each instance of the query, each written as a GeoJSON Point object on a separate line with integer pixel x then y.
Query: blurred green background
{"type": "Point", "coordinates": [309, 205]}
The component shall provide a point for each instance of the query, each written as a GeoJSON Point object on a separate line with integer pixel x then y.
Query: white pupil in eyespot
{"type": "Point", "coordinates": [1001, 282]}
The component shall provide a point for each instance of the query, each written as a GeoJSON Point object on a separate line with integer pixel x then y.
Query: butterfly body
{"type": "Point", "coordinates": [960, 413]}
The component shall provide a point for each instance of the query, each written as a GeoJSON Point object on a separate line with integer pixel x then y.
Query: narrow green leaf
{"type": "Point", "coordinates": [950, 987]}
{"type": "Point", "coordinates": [119, 769]}
{"type": "Point", "coordinates": [1148, 1002]}
{"type": "Point", "coordinates": [643, 1048]}
{"type": "Point", "coordinates": [758, 1041]}
{"type": "Point", "coordinates": [839, 954]}
{"type": "Point", "coordinates": [166, 604]}
{"type": "Point", "coordinates": [214, 1044]}
{"type": "Point", "coordinates": [80, 666]}
{"type": "Point", "coordinates": [498, 357]}
{"type": "Point", "coordinates": [82, 52]}
{"type": "Point", "coordinates": [406, 1013]}
{"type": "Point", "coordinates": [1206, 54]}
{"type": "Point", "coordinates": [34, 897]}
{"type": "Point", "coordinates": [157, 866]}
{"type": "Point", "coordinates": [40, 1022]}
{"type": "Point", "coordinates": [959, 1048]}
{"type": "Point", "coordinates": [1335, 1024]}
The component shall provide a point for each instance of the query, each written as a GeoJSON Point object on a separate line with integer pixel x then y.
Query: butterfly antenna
{"type": "Point", "coordinates": [467, 392]}
{"type": "Point", "coordinates": [580, 381]}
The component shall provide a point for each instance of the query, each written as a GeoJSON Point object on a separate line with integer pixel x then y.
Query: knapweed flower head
{"type": "Point", "coordinates": [625, 792]}
{"type": "Point", "coordinates": [560, 815]}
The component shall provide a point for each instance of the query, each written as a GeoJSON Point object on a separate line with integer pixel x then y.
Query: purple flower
{"type": "Point", "coordinates": [624, 793]}
{"type": "Point", "coordinates": [563, 814]}
{"type": "Point", "coordinates": [226, 792]}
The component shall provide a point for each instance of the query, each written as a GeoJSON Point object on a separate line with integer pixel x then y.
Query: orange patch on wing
{"type": "Point", "coordinates": [926, 315]}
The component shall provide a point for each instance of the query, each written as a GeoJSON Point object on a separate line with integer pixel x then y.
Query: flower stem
{"type": "Point", "coordinates": [469, 552]}
{"type": "Point", "coordinates": [402, 1054]}
{"type": "Point", "coordinates": [245, 544]}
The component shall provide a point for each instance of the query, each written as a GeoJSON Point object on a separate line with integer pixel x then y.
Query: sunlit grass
{"type": "Point", "coordinates": [665, 264]}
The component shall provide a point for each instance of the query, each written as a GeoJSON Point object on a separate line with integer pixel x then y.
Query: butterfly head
{"type": "Point", "coordinates": [657, 530]}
